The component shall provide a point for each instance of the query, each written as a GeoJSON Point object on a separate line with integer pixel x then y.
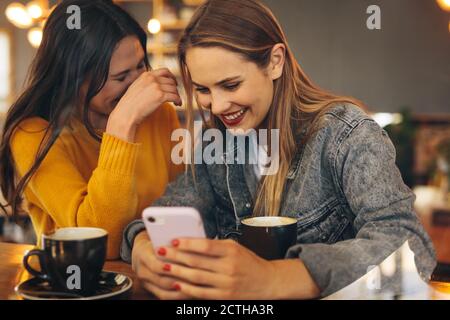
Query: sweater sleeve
{"type": "Point", "coordinates": [107, 200]}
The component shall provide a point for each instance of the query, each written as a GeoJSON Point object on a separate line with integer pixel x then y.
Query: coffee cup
{"type": "Point", "coordinates": [268, 237]}
{"type": "Point", "coordinates": [71, 259]}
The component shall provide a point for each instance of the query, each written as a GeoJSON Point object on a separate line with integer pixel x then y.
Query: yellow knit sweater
{"type": "Point", "coordinates": [85, 183]}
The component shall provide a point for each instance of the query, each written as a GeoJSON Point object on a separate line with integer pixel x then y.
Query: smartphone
{"type": "Point", "coordinates": [165, 224]}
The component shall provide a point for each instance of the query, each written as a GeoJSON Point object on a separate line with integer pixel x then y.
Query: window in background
{"type": "Point", "coordinates": [5, 69]}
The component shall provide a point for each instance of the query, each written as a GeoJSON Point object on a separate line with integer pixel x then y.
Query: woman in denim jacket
{"type": "Point", "coordinates": [336, 174]}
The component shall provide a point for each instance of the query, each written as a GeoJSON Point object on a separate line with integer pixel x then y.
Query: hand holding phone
{"type": "Point", "coordinates": [164, 224]}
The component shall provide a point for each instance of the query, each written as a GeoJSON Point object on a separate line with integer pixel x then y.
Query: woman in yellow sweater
{"type": "Point", "coordinates": [88, 142]}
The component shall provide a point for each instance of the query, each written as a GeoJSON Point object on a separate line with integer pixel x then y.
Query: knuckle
{"type": "Point", "coordinates": [199, 278]}
{"type": "Point", "coordinates": [206, 246]}
{"type": "Point", "coordinates": [187, 243]}
{"type": "Point", "coordinates": [232, 269]}
{"type": "Point", "coordinates": [229, 241]}
{"type": "Point", "coordinates": [176, 256]}
{"type": "Point", "coordinates": [159, 94]}
{"type": "Point", "coordinates": [153, 266]}
{"type": "Point", "coordinates": [161, 282]}
{"type": "Point", "coordinates": [233, 249]}
{"type": "Point", "coordinates": [142, 273]}
{"type": "Point", "coordinates": [185, 259]}
{"type": "Point", "coordinates": [143, 277]}
{"type": "Point", "coordinates": [190, 261]}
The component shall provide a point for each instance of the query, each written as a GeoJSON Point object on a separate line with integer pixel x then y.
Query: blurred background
{"type": "Point", "coordinates": [401, 71]}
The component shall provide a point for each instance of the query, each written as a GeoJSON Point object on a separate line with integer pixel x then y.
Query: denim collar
{"type": "Point", "coordinates": [295, 164]}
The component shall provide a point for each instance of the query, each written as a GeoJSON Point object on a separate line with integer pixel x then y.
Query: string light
{"type": "Point", "coordinates": [18, 15]}
{"type": "Point", "coordinates": [444, 4]}
{"type": "Point", "coordinates": [154, 26]}
{"type": "Point", "coordinates": [35, 37]}
{"type": "Point", "coordinates": [34, 10]}
{"type": "Point", "coordinates": [33, 14]}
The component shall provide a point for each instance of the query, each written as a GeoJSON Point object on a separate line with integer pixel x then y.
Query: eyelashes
{"type": "Point", "coordinates": [202, 90]}
{"type": "Point", "coordinates": [228, 87]}
{"type": "Point", "coordinates": [232, 87]}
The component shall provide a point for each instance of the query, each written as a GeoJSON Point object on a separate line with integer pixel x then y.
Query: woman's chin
{"type": "Point", "coordinates": [240, 130]}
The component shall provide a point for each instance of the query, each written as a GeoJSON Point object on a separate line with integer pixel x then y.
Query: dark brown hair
{"type": "Point", "coordinates": [64, 61]}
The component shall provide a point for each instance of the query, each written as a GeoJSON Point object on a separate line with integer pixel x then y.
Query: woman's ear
{"type": "Point", "coordinates": [277, 59]}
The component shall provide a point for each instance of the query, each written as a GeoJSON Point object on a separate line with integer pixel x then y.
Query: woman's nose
{"type": "Point", "coordinates": [219, 104]}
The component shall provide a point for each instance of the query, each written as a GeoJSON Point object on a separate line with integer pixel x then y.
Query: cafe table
{"type": "Point", "coordinates": [12, 273]}
{"type": "Point", "coordinates": [427, 203]}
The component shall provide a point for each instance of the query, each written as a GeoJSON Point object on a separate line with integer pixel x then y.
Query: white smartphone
{"type": "Point", "coordinates": [165, 224]}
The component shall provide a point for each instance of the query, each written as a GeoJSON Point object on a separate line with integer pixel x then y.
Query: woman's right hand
{"type": "Point", "coordinates": [150, 270]}
{"type": "Point", "coordinates": [143, 97]}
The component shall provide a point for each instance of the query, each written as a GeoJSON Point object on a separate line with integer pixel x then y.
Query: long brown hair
{"type": "Point", "coordinates": [249, 28]}
{"type": "Point", "coordinates": [64, 61]}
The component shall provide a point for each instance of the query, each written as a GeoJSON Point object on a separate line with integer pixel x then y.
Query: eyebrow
{"type": "Point", "coordinates": [220, 82]}
{"type": "Point", "coordinates": [126, 71]}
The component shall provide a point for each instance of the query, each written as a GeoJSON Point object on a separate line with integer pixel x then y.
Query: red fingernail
{"type": "Point", "coordinates": [162, 251]}
{"type": "Point", "coordinates": [175, 243]}
{"type": "Point", "coordinates": [167, 267]}
{"type": "Point", "coordinates": [176, 287]}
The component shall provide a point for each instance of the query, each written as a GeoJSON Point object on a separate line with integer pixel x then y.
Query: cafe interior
{"type": "Point", "coordinates": [398, 66]}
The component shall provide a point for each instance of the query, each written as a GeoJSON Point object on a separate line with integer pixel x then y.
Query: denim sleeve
{"type": "Point", "coordinates": [368, 179]}
{"type": "Point", "coordinates": [183, 192]}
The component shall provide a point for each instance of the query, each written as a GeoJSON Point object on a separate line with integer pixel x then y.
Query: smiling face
{"type": "Point", "coordinates": [237, 91]}
{"type": "Point", "coordinates": [127, 64]}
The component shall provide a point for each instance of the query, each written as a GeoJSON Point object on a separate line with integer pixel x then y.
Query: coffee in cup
{"type": "Point", "coordinates": [71, 259]}
{"type": "Point", "coordinates": [268, 237]}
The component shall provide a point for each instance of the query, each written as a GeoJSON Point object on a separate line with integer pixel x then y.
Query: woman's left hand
{"type": "Point", "coordinates": [219, 269]}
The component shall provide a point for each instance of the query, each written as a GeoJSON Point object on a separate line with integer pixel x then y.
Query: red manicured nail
{"type": "Point", "coordinates": [162, 251]}
{"type": "Point", "coordinates": [177, 287]}
{"type": "Point", "coordinates": [175, 243]}
{"type": "Point", "coordinates": [167, 267]}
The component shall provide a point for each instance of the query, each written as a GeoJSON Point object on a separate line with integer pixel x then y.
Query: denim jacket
{"type": "Point", "coordinates": [344, 189]}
